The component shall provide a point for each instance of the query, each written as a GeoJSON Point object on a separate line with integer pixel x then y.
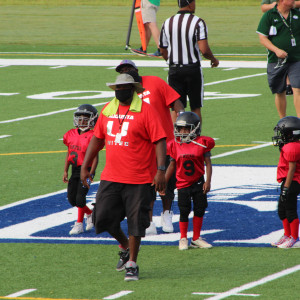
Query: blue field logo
{"type": "Point", "coordinates": [242, 211]}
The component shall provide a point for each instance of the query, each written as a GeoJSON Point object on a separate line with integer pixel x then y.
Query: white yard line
{"type": "Point", "coordinates": [4, 136]}
{"type": "Point", "coordinates": [241, 150]}
{"type": "Point", "coordinates": [118, 295]}
{"type": "Point", "coordinates": [45, 114]}
{"type": "Point", "coordinates": [20, 293]}
{"type": "Point", "coordinates": [53, 62]}
{"type": "Point", "coordinates": [253, 284]}
{"type": "Point", "coordinates": [210, 294]}
{"type": "Point", "coordinates": [233, 79]}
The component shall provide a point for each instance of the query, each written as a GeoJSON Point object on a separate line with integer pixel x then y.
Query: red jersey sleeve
{"type": "Point", "coordinates": [291, 152]}
{"type": "Point", "coordinates": [171, 149]}
{"type": "Point", "coordinates": [208, 142]}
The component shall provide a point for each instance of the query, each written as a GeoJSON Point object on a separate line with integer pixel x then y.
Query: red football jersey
{"type": "Point", "coordinates": [189, 159]}
{"type": "Point", "coordinates": [161, 96]}
{"type": "Point", "coordinates": [129, 142]}
{"type": "Point", "coordinates": [289, 153]}
{"type": "Point", "coordinates": [77, 145]}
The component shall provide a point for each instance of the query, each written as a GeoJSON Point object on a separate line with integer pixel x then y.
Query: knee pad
{"type": "Point", "coordinates": [199, 212]}
{"type": "Point", "coordinates": [80, 201]}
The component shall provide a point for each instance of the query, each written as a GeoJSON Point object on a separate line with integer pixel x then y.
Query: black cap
{"type": "Point", "coordinates": [184, 3]}
{"type": "Point", "coordinates": [125, 62]}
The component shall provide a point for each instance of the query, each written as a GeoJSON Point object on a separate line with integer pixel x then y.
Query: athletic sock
{"type": "Point", "coordinates": [183, 226]}
{"type": "Point", "coordinates": [286, 227]}
{"type": "Point", "coordinates": [122, 248]}
{"type": "Point", "coordinates": [86, 210]}
{"type": "Point", "coordinates": [197, 225]}
{"type": "Point", "coordinates": [131, 263]}
{"type": "Point", "coordinates": [80, 215]}
{"type": "Point", "coordinates": [295, 228]}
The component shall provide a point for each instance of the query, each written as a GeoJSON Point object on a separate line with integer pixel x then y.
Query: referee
{"type": "Point", "coordinates": [182, 38]}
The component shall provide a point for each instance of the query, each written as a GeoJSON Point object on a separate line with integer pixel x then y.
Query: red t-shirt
{"type": "Point", "coordinates": [77, 145]}
{"type": "Point", "coordinates": [130, 151]}
{"type": "Point", "coordinates": [189, 159]}
{"type": "Point", "coordinates": [289, 153]}
{"type": "Point", "coordinates": [160, 95]}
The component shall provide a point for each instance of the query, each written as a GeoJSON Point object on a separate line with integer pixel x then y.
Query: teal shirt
{"type": "Point", "coordinates": [155, 2]}
{"type": "Point", "coordinates": [272, 26]}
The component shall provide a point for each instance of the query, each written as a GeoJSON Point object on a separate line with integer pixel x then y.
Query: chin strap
{"type": "Point", "coordinates": [198, 144]}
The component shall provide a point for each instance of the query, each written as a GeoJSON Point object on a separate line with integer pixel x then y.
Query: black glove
{"type": "Point", "coordinates": [284, 194]}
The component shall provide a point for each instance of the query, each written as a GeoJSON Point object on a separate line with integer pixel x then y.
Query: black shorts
{"type": "Point", "coordinates": [277, 76]}
{"type": "Point", "coordinates": [188, 81]}
{"type": "Point", "coordinates": [76, 191]}
{"type": "Point", "coordinates": [195, 193]}
{"type": "Point", "coordinates": [115, 201]}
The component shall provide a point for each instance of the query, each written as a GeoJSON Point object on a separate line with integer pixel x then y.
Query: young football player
{"type": "Point", "coordinates": [189, 151]}
{"type": "Point", "coordinates": [287, 135]}
{"type": "Point", "coordinates": [77, 141]}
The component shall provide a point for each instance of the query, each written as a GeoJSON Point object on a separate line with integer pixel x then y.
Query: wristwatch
{"type": "Point", "coordinates": [161, 168]}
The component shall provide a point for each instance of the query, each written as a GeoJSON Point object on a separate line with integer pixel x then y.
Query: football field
{"type": "Point", "coordinates": [55, 58]}
{"type": "Point", "coordinates": [41, 261]}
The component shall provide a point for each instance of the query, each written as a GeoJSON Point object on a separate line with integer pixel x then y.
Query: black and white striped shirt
{"type": "Point", "coordinates": [179, 34]}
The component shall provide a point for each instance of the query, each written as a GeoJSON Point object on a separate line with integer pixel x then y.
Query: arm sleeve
{"type": "Point", "coordinates": [201, 32]}
{"type": "Point", "coordinates": [208, 142]}
{"type": "Point", "coordinates": [65, 138]}
{"type": "Point", "coordinates": [291, 153]}
{"type": "Point", "coordinates": [168, 93]}
{"type": "Point", "coordinates": [264, 25]}
{"type": "Point", "coordinates": [163, 42]}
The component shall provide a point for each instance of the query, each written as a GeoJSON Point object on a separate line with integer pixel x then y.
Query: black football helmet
{"type": "Point", "coordinates": [287, 130]}
{"type": "Point", "coordinates": [85, 117]}
{"type": "Point", "coordinates": [191, 121]}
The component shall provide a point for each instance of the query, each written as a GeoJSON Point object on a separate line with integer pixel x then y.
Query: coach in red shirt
{"type": "Point", "coordinates": [162, 97]}
{"type": "Point", "coordinates": [134, 139]}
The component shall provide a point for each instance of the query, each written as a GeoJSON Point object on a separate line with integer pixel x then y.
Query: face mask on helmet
{"type": "Point", "coordinates": [187, 127]}
{"type": "Point", "coordinates": [185, 134]}
{"type": "Point", "coordinates": [85, 117]}
{"type": "Point", "coordinates": [286, 131]}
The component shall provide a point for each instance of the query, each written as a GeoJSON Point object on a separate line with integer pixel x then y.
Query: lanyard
{"type": "Point", "coordinates": [121, 122]}
{"type": "Point", "coordinates": [286, 24]}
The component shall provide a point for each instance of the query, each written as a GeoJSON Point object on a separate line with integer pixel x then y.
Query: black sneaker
{"type": "Point", "coordinates": [124, 257]}
{"type": "Point", "coordinates": [139, 51]}
{"type": "Point", "coordinates": [132, 272]}
{"type": "Point", "coordinates": [157, 53]}
{"type": "Point", "coordinates": [289, 90]}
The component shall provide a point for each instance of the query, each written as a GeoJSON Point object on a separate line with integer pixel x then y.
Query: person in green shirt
{"type": "Point", "coordinates": [265, 6]}
{"type": "Point", "coordinates": [279, 32]}
{"type": "Point", "coordinates": [269, 4]}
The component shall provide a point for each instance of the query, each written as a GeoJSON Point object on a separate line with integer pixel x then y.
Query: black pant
{"type": "Point", "coordinates": [195, 193]}
{"type": "Point", "coordinates": [76, 191]}
{"type": "Point", "coordinates": [288, 209]}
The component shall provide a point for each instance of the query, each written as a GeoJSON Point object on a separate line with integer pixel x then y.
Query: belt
{"type": "Point", "coordinates": [197, 64]}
